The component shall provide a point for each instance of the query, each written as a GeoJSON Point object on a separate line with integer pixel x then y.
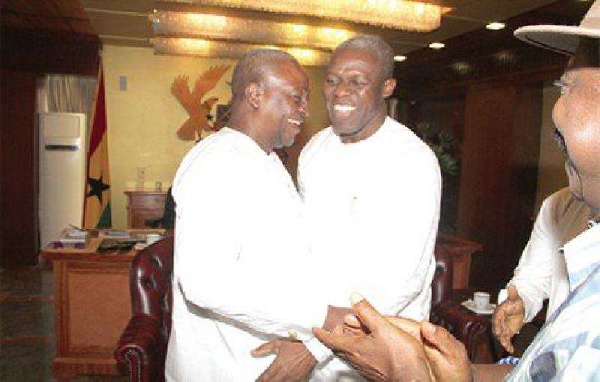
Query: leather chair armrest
{"type": "Point", "coordinates": [471, 329]}
{"type": "Point", "coordinates": [141, 349]}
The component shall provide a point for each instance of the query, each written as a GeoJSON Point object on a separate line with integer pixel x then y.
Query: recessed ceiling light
{"type": "Point", "coordinates": [399, 58]}
{"type": "Point", "coordinates": [437, 45]}
{"type": "Point", "coordinates": [495, 26]}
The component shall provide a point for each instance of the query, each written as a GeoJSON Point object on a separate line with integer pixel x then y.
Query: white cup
{"type": "Point", "coordinates": [481, 300]}
{"type": "Point", "coordinates": [152, 238]}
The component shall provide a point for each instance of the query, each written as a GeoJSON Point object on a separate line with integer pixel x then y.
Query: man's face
{"type": "Point", "coordinates": [577, 118]}
{"type": "Point", "coordinates": [286, 102]}
{"type": "Point", "coordinates": [355, 91]}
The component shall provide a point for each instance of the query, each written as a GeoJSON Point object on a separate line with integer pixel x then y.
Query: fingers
{"type": "Point", "coordinates": [438, 337]}
{"type": "Point", "coordinates": [336, 340]}
{"type": "Point", "coordinates": [326, 338]}
{"type": "Point", "coordinates": [498, 320]}
{"type": "Point", "coordinates": [513, 295]}
{"type": "Point", "coordinates": [412, 327]}
{"type": "Point", "coordinates": [266, 349]}
{"type": "Point", "coordinates": [351, 321]}
{"type": "Point", "coordinates": [365, 312]}
{"type": "Point", "coordinates": [506, 343]}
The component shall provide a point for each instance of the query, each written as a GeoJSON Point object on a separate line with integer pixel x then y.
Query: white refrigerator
{"type": "Point", "coordinates": [62, 173]}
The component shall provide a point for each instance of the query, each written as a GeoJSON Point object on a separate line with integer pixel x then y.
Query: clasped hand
{"type": "Point", "coordinates": [396, 349]}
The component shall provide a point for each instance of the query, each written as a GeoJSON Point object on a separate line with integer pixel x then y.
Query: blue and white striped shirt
{"type": "Point", "coordinates": [568, 346]}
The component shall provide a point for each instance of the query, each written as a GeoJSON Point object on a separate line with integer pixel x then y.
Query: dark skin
{"type": "Point", "coordinates": [264, 110]}
{"type": "Point", "coordinates": [509, 318]}
{"type": "Point", "coordinates": [354, 78]}
{"type": "Point", "coordinates": [264, 113]}
{"type": "Point", "coordinates": [381, 353]}
{"type": "Point", "coordinates": [375, 347]}
{"type": "Point", "coordinates": [293, 361]}
{"type": "Point", "coordinates": [396, 349]}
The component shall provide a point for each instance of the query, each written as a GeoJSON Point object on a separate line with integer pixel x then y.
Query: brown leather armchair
{"type": "Point", "coordinates": [471, 329]}
{"type": "Point", "coordinates": [142, 348]}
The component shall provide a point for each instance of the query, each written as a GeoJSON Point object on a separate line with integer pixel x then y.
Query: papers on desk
{"type": "Point", "coordinates": [119, 240]}
{"type": "Point", "coordinates": [71, 237]}
{"type": "Point", "coordinates": [115, 234]}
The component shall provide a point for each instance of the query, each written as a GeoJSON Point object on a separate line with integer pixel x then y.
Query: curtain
{"type": "Point", "coordinates": [67, 93]}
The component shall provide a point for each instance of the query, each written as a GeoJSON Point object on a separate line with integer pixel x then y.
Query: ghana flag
{"type": "Point", "coordinates": [96, 213]}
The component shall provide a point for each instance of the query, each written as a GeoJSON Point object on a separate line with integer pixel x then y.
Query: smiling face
{"type": "Point", "coordinates": [576, 115]}
{"type": "Point", "coordinates": [355, 91]}
{"type": "Point", "coordinates": [285, 102]}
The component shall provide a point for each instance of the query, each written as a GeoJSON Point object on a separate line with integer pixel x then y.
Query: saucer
{"type": "Point", "coordinates": [470, 304]}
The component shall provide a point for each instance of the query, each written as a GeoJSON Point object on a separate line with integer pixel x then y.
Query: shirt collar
{"type": "Point", "coordinates": [581, 254]}
{"type": "Point", "coordinates": [387, 122]}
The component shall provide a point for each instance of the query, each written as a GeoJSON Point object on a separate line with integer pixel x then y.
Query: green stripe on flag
{"type": "Point", "coordinates": [105, 220]}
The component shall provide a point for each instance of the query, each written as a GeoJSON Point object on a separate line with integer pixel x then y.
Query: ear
{"type": "Point", "coordinates": [388, 87]}
{"type": "Point", "coordinates": [254, 94]}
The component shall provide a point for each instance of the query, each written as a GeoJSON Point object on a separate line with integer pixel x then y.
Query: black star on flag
{"type": "Point", "coordinates": [96, 187]}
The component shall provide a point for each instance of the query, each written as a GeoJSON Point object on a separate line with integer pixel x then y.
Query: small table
{"type": "Point", "coordinates": [92, 307]}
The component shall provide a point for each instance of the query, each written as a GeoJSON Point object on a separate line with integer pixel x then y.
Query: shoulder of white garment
{"type": "Point", "coordinates": [225, 150]}
{"type": "Point", "coordinates": [314, 145]}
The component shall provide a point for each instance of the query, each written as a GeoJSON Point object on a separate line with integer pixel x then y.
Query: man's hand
{"type": "Point", "coordinates": [292, 363]}
{"type": "Point", "coordinates": [508, 318]}
{"type": "Point", "coordinates": [380, 351]}
{"type": "Point", "coordinates": [446, 355]}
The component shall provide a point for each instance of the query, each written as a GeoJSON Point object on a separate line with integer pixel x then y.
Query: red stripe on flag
{"type": "Point", "coordinates": [99, 122]}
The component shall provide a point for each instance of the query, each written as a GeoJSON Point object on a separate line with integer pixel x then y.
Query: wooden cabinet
{"type": "Point", "coordinates": [144, 206]}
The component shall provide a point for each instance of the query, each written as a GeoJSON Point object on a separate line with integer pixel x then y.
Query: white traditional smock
{"type": "Point", "coordinates": [373, 208]}
{"type": "Point", "coordinates": [542, 272]}
{"type": "Point", "coordinates": [239, 219]}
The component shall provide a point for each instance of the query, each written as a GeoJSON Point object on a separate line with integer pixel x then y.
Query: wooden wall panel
{"type": "Point", "coordinates": [25, 55]}
{"type": "Point", "coordinates": [498, 176]}
{"type": "Point", "coordinates": [41, 52]}
{"type": "Point", "coordinates": [18, 195]}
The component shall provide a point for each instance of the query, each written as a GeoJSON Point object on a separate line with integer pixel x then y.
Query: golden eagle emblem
{"type": "Point", "coordinates": [198, 110]}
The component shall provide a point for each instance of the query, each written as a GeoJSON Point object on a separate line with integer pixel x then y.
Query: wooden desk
{"type": "Point", "coordinates": [461, 251]}
{"type": "Point", "coordinates": [93, 305]}
{"type": "Point", "coordinates": [144, 205]}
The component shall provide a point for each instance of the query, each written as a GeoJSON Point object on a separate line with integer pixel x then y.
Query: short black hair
{"type": "Point", "coordinates": [253, 66]}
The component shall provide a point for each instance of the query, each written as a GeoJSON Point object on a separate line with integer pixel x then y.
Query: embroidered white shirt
{"type": "Point", "coordinates": [373, 209]}
{"type": "Point", "coordinates": [241, 272]}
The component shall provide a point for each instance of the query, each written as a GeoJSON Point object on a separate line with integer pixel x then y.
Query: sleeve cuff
{"type": "Point", "coordinates": [318, 350]}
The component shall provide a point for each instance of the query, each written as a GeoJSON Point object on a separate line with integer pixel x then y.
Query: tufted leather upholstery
{"type": "Point", "coordinates": [142, 347]}
{"type": "Point", "coordinates": [471, 329]}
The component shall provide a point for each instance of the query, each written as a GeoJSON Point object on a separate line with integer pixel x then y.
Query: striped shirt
{"type": "Point", "coordinates": [568, 346]}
